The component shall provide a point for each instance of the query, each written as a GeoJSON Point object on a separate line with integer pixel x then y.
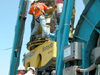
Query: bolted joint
{"type": "Point", "coordinates": [22, 16]}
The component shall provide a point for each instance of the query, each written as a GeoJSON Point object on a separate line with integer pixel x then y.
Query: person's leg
{"type": "Point", "coordinates": [43, 25]}
{"type": "Point", "coordinates": [35, 28]}
{"type": "Point", "coordinates": [32, 23]}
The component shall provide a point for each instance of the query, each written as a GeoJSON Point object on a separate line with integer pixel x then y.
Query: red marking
{"type": "Point", "coordinates": [59, 1]}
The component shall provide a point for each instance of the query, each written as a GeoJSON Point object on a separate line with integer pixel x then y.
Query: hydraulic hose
{"type": "Point", "coordinates": [87, 69]}
{"type": "Point", "coordinates": [92, 67]}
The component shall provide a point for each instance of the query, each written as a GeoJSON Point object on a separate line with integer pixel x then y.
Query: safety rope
{"type": "Point", "coordinates": [10, 48]}
{"type": "Point", "coordinates": [37, 5]}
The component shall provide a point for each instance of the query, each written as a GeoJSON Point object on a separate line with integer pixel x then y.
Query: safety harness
{"type": "Point", "coordinates": [41, 12]}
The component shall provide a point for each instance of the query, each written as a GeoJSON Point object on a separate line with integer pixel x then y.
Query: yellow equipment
{"type": "Point", "coordinates": [42, 56]}
{"type": "Point", "coordinates": [42, 53]}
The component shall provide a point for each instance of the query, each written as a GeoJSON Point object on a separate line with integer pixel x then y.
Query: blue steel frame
{"type": "Point", "coordinates": [88, 30]}
{"type": "Point", "coordinates": [63, 33]}
{"type": "Point", "coordinates": [13, 66]}
{"type": "Point", "coordinates": [88, 25]}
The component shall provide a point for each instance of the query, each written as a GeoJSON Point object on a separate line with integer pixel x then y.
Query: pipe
{"type": "Point", "coordinates": [66, 29]}
{"type": "Point", "coordinates": [60, 33]}
{"type": "Point", "coordinates": [92, 67]}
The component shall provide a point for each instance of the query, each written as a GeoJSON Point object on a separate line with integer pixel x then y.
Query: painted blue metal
{"type": "Point", "coordinates": [60, 33]}
{"type": "Point", "coordinates": [88, 30]}
{"type": "Point", "coordinates": [15, 61]}
{"type": "Point", "coordinates": [83, 56]}
{"type": "Point", "coordinates": [62, 41]}
{"type": "Point", "coordinates": [53, 36]}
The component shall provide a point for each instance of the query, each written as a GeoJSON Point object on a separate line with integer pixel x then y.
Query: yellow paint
{"type": "Point", "coordinates": [33, 45]}
{"type": "Point", "coordinates": [47, 51]}
{"type": "Point", "coordinates": [70, 32]}
{"type": "Point", "coordinates": [73, 14]}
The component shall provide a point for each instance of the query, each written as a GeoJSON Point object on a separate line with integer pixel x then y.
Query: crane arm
{"type": "Point", "coordinates": [23, 6]}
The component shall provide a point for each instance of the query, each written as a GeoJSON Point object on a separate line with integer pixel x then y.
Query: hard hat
{"type": "Point", "coordinates": [21, 67]}
{"type": "Point", "coordinates": [31, 68]}
{"type": "Point", "coordinates": [53, 72]}
{"type": "Point", "coordinates": [31, 1]}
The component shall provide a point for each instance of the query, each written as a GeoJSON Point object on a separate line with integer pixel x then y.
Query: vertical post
{"type": "Point", "coordinates": [66, 24]}
{"type": "Point", "coordinates": [23, 7]}
{"type": "Point", "coordinates": [60, 32]}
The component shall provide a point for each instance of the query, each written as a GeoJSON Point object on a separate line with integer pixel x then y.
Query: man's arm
{"type": "Point", "coordinates": [49, 7]}
{"type": "Point", "coordinates": [46, 7]}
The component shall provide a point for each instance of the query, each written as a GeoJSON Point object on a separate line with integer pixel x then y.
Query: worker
{"type": "Point", "coordinates": [37, 9]}
{"type": "Point", "coordinates": [30, 71]}
{"type": "Point", "coordinates": [21, 70]}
